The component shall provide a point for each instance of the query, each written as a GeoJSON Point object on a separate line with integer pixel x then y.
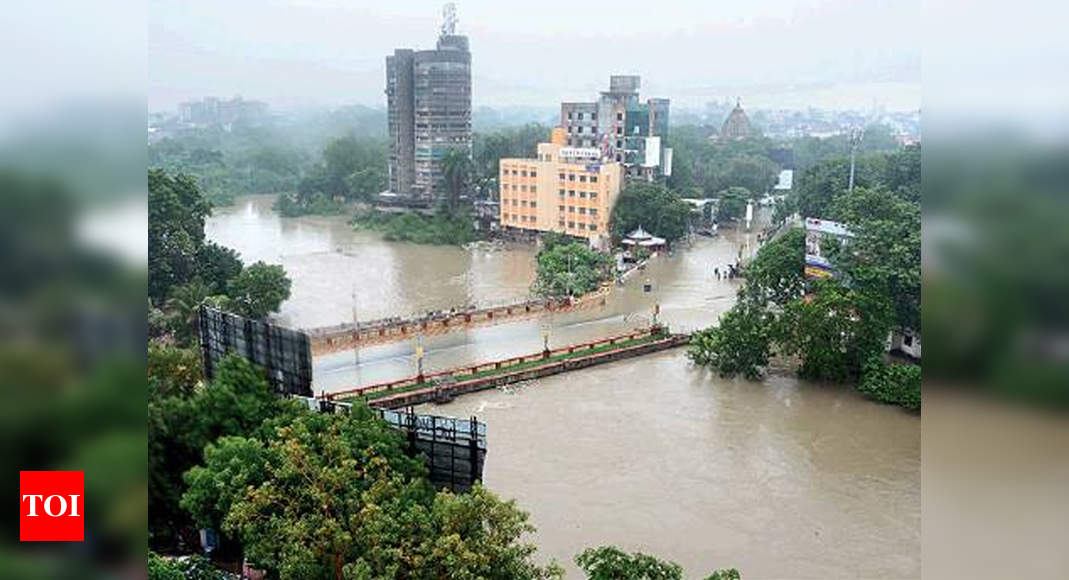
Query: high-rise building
{"type": "Point", "coordinates": [624, 129]}
{"type": "Point", "coordinates": [428, 97]}
{"type": "Point", "coordinates": [565, 189]}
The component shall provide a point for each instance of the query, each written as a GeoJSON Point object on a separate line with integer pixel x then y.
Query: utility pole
{"type": "Point", "coordinates": [856, 135]}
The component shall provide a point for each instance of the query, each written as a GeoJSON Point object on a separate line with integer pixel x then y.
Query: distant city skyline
{"type": "Point", "coordinates": [300, 53]}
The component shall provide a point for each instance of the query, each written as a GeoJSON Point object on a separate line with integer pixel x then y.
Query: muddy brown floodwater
{"type": "Point", "coordinates": [780, 478]}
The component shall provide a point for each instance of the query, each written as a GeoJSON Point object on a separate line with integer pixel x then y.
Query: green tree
{"type": "Point", "coordinates": [740, 344]}
{"type": "Point", "coordinates": [653, 207]}
{"type": "Point", "coordinates": [456, 173]}
{"type": "Point", "coordinates": [834, 331]}
{"type": "Point", "coordinates": [335, 496]}
{"type": "Point", "coordinates": [177, 211]}
{"type": "Point", "coordinates": [884, 257]}
{"type": "Point", "coordinates": [216, 265]}
{"type": "Point", "coordinates": [754, 173]}
{"type": "Point", "coordinates": [570, 270]}
{"type": "Point", "coordinates": [184, 306]}
{"type": "Point", "coordinates": [259, 290]}
{"type": "Point", "coordinates": [776, 272]}
{"type": "Point", "coordinates": [173, 371]}
{"type": "Point", "coordinates": [238, 402]}
{"type": "Point", "coordinates": [732, 204]}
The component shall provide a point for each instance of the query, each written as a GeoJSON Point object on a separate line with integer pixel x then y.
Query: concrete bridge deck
{"type": "Point", "coordinates": [341, 337]}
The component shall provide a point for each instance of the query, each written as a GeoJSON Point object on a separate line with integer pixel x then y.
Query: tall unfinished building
{"type": "Point", "coordinates": [428, 97]}
{"type": "Point", "coordinates": [622, 128]}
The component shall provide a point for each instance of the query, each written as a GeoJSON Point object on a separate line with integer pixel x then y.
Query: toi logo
{"type": "Point", "coordinates": [51, 506]}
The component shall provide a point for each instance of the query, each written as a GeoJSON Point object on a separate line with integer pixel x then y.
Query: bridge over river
{"type": "Point", "coordinates": [342, 337]}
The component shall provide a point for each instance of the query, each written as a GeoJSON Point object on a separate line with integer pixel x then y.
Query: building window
{"type": "Point", "coordinates": [580, 116]}
{"type": "Point", "coordinates": [593, 227]}
{"type": "Point", "coordinates": [523, 173]}
{"type": "Point", "coordinates": [523, 204]}
{"type": "Point", "coordinates": [569, 128]}
{"type": "Point", "coordinates": [523, 188]}
{"type": "Point", "coordinates": [582, 194]}
{"type": "Point", "coordinates": [593, 179]}
{"type": "Point", "coordinates": [582, 178]}
{"type": "Point", "coordinates": [593, 211]}
{"type": "Point", "coordinates": [593, 195]}
{"type": "Point", "coordinates": [571, 177]}
{"type": "Point", "coordinates": [534, 188]}
{"type": "Point", "coordinates": [593, 116]}
{"type": "Point", "coordinates": [569, 114]}
{"type": "Point", "coordinates": [582, 211]}
{"type": "Point", "coordinates": [562, 177]}
{"type": "Point", "coordinates": [619, 116]}
{"type": "Point", "coordinates": [533, 174]}
{"type": "Point", "coordinates": [560, 192]}
{"type": "Point", "coordinates": [514, 172]}
{"type": "Point", "coordinates": [571, 209]}
{"type": "Point", "coordinates": [617, 157]}
{"type": "Point", "coordinates": [619, 144]}
{"type": "Point", "coordinates": [571, 224]}
{"type": "Point", "coordinates": [560, 208]}
{"type": "Point", "coordinates": [534, 204]}
{"type": "Point", "coordinates": [619, 130]}
{"type": "Point", "coordinates": [571, 193]}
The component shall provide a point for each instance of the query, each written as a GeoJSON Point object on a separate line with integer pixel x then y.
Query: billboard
{"type": "Point", "coordinates": [817, 231]}
{"type": "Point", "coordinates": [284, 354]}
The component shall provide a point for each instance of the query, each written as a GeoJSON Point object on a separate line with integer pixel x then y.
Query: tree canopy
{"type": "Point", "coordinates": [570, 269]}
{"type": "Point", "coordinates": [655, 208]}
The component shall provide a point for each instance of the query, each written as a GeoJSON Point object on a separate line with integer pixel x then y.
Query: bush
{"type": "Point", "coordinates": [439, 229]}
{"type": "Point", "coordinates": [897, 384]}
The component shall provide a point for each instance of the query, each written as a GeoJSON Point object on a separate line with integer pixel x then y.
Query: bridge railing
{"type": "Point", "coordinates": [493, 367]}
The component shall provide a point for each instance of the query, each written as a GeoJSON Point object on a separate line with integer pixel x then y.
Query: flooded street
{"type": "Point", "coordinates": [781, 479]}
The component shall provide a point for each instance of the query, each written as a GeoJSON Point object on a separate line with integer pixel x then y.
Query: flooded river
{"type": "Point", "coordinates": [781, 479]}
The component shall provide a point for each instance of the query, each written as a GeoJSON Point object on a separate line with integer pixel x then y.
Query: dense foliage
{"type": "Point", "coordinates": [838, 329]}
{"type": "Point", "coordinates": [570, 269]}
{"type": "Point", "coordinates": [655, 208]}
{"type": "Point", "coordinates": [225, 165]}
{"type": "Point", "coordinates": [739, 345]}
{"type": "Point", "coordinates": [898, 384]}
{"type": "Point", "coordinates": [611, 563]}
{"type": "Point", "coordinates": [290, 205]}
{"type": "Point", "coordinates": [702, 167]}
{"type": "Point", "coordinates": [186, 271]}
{"type": "Point", "coordinates": [731, 204]}
{"type": "Point", "coordinates": [440, 228]}
{"type": "Point", "coordinates": [351, 168]}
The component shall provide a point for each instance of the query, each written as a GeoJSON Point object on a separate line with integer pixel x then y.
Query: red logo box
{"type": "Point", "coordinates": [51, 506]}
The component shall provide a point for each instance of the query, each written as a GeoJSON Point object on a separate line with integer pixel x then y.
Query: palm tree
{"type": "Point", "coordinates": [456, 169]}
{"type": "Point", "coordinates": [184, 306]}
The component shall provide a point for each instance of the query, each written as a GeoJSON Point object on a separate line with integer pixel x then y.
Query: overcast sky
{"type": "Point", "coordinates": [771, 53]}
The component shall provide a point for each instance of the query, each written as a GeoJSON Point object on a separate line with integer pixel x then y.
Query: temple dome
{"type": "Point", "coordinates": [737, 125]}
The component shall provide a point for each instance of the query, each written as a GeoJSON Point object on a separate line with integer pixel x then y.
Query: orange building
{"type": "Point", "coordinates": [565, 189]}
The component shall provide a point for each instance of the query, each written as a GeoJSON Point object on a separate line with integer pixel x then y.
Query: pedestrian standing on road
{"type": "Point", "coordinates": [717, 272]}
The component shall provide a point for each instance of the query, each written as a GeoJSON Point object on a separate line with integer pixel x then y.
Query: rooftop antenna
{"type": "Point", "coordinates": [449, 19]}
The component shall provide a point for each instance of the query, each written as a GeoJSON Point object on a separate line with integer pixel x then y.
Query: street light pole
{"type": "Point", "coordinates": [856, 135]}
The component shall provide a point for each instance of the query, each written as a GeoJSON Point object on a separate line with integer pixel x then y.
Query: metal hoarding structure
{"type": "Point", "coordinates": [284, 354]}
{"type": "Point", "coordinates": [817, 264]}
